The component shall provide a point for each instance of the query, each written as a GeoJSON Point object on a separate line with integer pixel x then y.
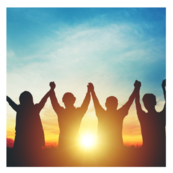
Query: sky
{"type": "Point", "coordinates": [110, 47]}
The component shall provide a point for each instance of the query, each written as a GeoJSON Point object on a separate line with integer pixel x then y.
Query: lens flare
{"type": "Point", "coordinates": [88, 140]}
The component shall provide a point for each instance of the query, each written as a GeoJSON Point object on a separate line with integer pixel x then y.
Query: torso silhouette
{"type": "Point", "coordinates": [69, 120]}
{"type": "Point", "coordinates": [110, 124]}
{"type": "Point", "coordinates": [69, 124]}
{"type": "Point", "coordinates": [29, 130]}
{"type": "Point", "coordinates": [153, 129]}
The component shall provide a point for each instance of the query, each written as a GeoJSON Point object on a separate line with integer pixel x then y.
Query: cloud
{"type": "Point", "coordinates": [10, 54]}
{"type": "Point", "coordinates": [80, 54]}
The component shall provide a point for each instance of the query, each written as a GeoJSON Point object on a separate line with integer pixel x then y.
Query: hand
{"type": "Point", "coordinates": [137, 84]}
{"type": "Point", "coordinates": [52, 85]}
{"type": "Point", "coordinates": [90, 87]}
{"type": "Point", "coordinates": [164, 83]}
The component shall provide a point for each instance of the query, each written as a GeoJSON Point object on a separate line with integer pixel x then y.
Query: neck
{"type": "Point", "coordinates": [152, 110]}
{"type": "Point", "coordinates": [70, 107]}
{"type": "Point", "coordinates": [111, 110]}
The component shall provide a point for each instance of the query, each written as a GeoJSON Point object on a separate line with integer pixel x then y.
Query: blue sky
{"type": "Point", "coordinates": [110, 47]}
{"type": "Point", "coordinates": [27, 25]}
{"type": "Point", "coordinates": [127, 43]}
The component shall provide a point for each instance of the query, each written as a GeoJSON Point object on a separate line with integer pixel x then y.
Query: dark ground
{"type": "Point", "coordinates": [52, 157]}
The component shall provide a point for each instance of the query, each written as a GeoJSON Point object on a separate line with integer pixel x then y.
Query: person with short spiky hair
{"type": "Point", "coordinates": [69, 118]}
{"type": "Point", "coordinates": [110, 121]}
{"type": "Point", "coordinates": [152, 122]}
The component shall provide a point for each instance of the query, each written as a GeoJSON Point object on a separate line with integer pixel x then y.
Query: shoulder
{"type": "Point", "coordinates": [162, 114]}
{"type": "Point", "coordinates": [61, 110]}
{"type": "Point", "coordinates": [78, 109]}
{"type": "Point", "coordinates": [36, 106]}
{"type": "Point", "coordinates": [143, 116]}
{"type": "Point", "coordinates": [101, 114]}
{"type": "Point", "coordinates": [19, 108]}
{"type": "Point", "coordinates": [122, 111]}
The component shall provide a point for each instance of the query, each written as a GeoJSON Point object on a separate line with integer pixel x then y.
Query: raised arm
{"type": "Point", "coordinates": [44, 99]}
{"type": "Point", "coordinates": [98, 108]}
{"type": "Point", "coordinates": [126, 106]}
{"type": "Point", "coordinates": [137, 100]}
{"type": "Point", "coordinates": [12, 103]}
{"type": "Point", "coordinates": [164, 92]}
{"type": "Point", "coordinates": [86, 102]}
{"type": "Point", "coordinates": [163, 87]}
{"type": "Point", "coordinates": [56, 106]}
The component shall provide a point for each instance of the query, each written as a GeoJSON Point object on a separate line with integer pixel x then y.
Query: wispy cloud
{"type": "Point", "coordinates": [10, 54]}
{"type": "Point", "coordinates": [84, 54]}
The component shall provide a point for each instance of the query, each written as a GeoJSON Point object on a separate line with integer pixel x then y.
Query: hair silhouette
{"type": "Point", "coordinates": [111, 103]}
{"type": "Point", "coordinates": [149, 101]}
{"type": "Point", "coordinates": [68, 99]}
{"type": "Point", "coordinates": [26, 99]}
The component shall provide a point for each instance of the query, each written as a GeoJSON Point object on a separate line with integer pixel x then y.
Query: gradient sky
{"type": "Point", "coordinates": [110, 47]}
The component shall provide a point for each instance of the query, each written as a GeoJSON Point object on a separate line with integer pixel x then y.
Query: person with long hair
{"type": "Point", "coordinates": [29, 134]}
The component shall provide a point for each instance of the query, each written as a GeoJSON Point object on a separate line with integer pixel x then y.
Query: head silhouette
{"type": "Point", "coordinates": [26, 98]}
{"type": "Point", "coordinates": [111, 103]}
{"type": "Point", "coordinates": [68, 99]}
{"type": "Point", "coordinates": [149, 101]}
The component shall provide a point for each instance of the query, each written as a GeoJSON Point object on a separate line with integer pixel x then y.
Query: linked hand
{"type": "Point", "coordinates": [90, 87]}
{"type": "Point", "coordinates": [137, 84]}
{"type": "Point", "coordinates": [52, 85]}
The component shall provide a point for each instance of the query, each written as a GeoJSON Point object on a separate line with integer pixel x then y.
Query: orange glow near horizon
{"type": "Point", "coordinates": [131, 128]}
{"type": "Point", "coordinates": [84, 143]}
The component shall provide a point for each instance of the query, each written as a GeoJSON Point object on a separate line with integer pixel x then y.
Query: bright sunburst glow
{"type": "Point", "coordinates": [88, 140]}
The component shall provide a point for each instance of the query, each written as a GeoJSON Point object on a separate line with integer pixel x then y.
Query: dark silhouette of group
{"type": "Point", "coordinates": [29, 134]}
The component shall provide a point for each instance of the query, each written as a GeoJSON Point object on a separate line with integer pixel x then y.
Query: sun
{"type": "Point", "coordinates": [88, 140]}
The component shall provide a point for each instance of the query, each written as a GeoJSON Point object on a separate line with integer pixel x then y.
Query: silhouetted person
{"type": "Point", "coordinates": [152, 123]}
{"type": "Point", "coordinates": [69, 118]}
{"type": "Point", "coordinates": [29, 135]}
{"type": "Point", "coordinates": [110, 121]}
